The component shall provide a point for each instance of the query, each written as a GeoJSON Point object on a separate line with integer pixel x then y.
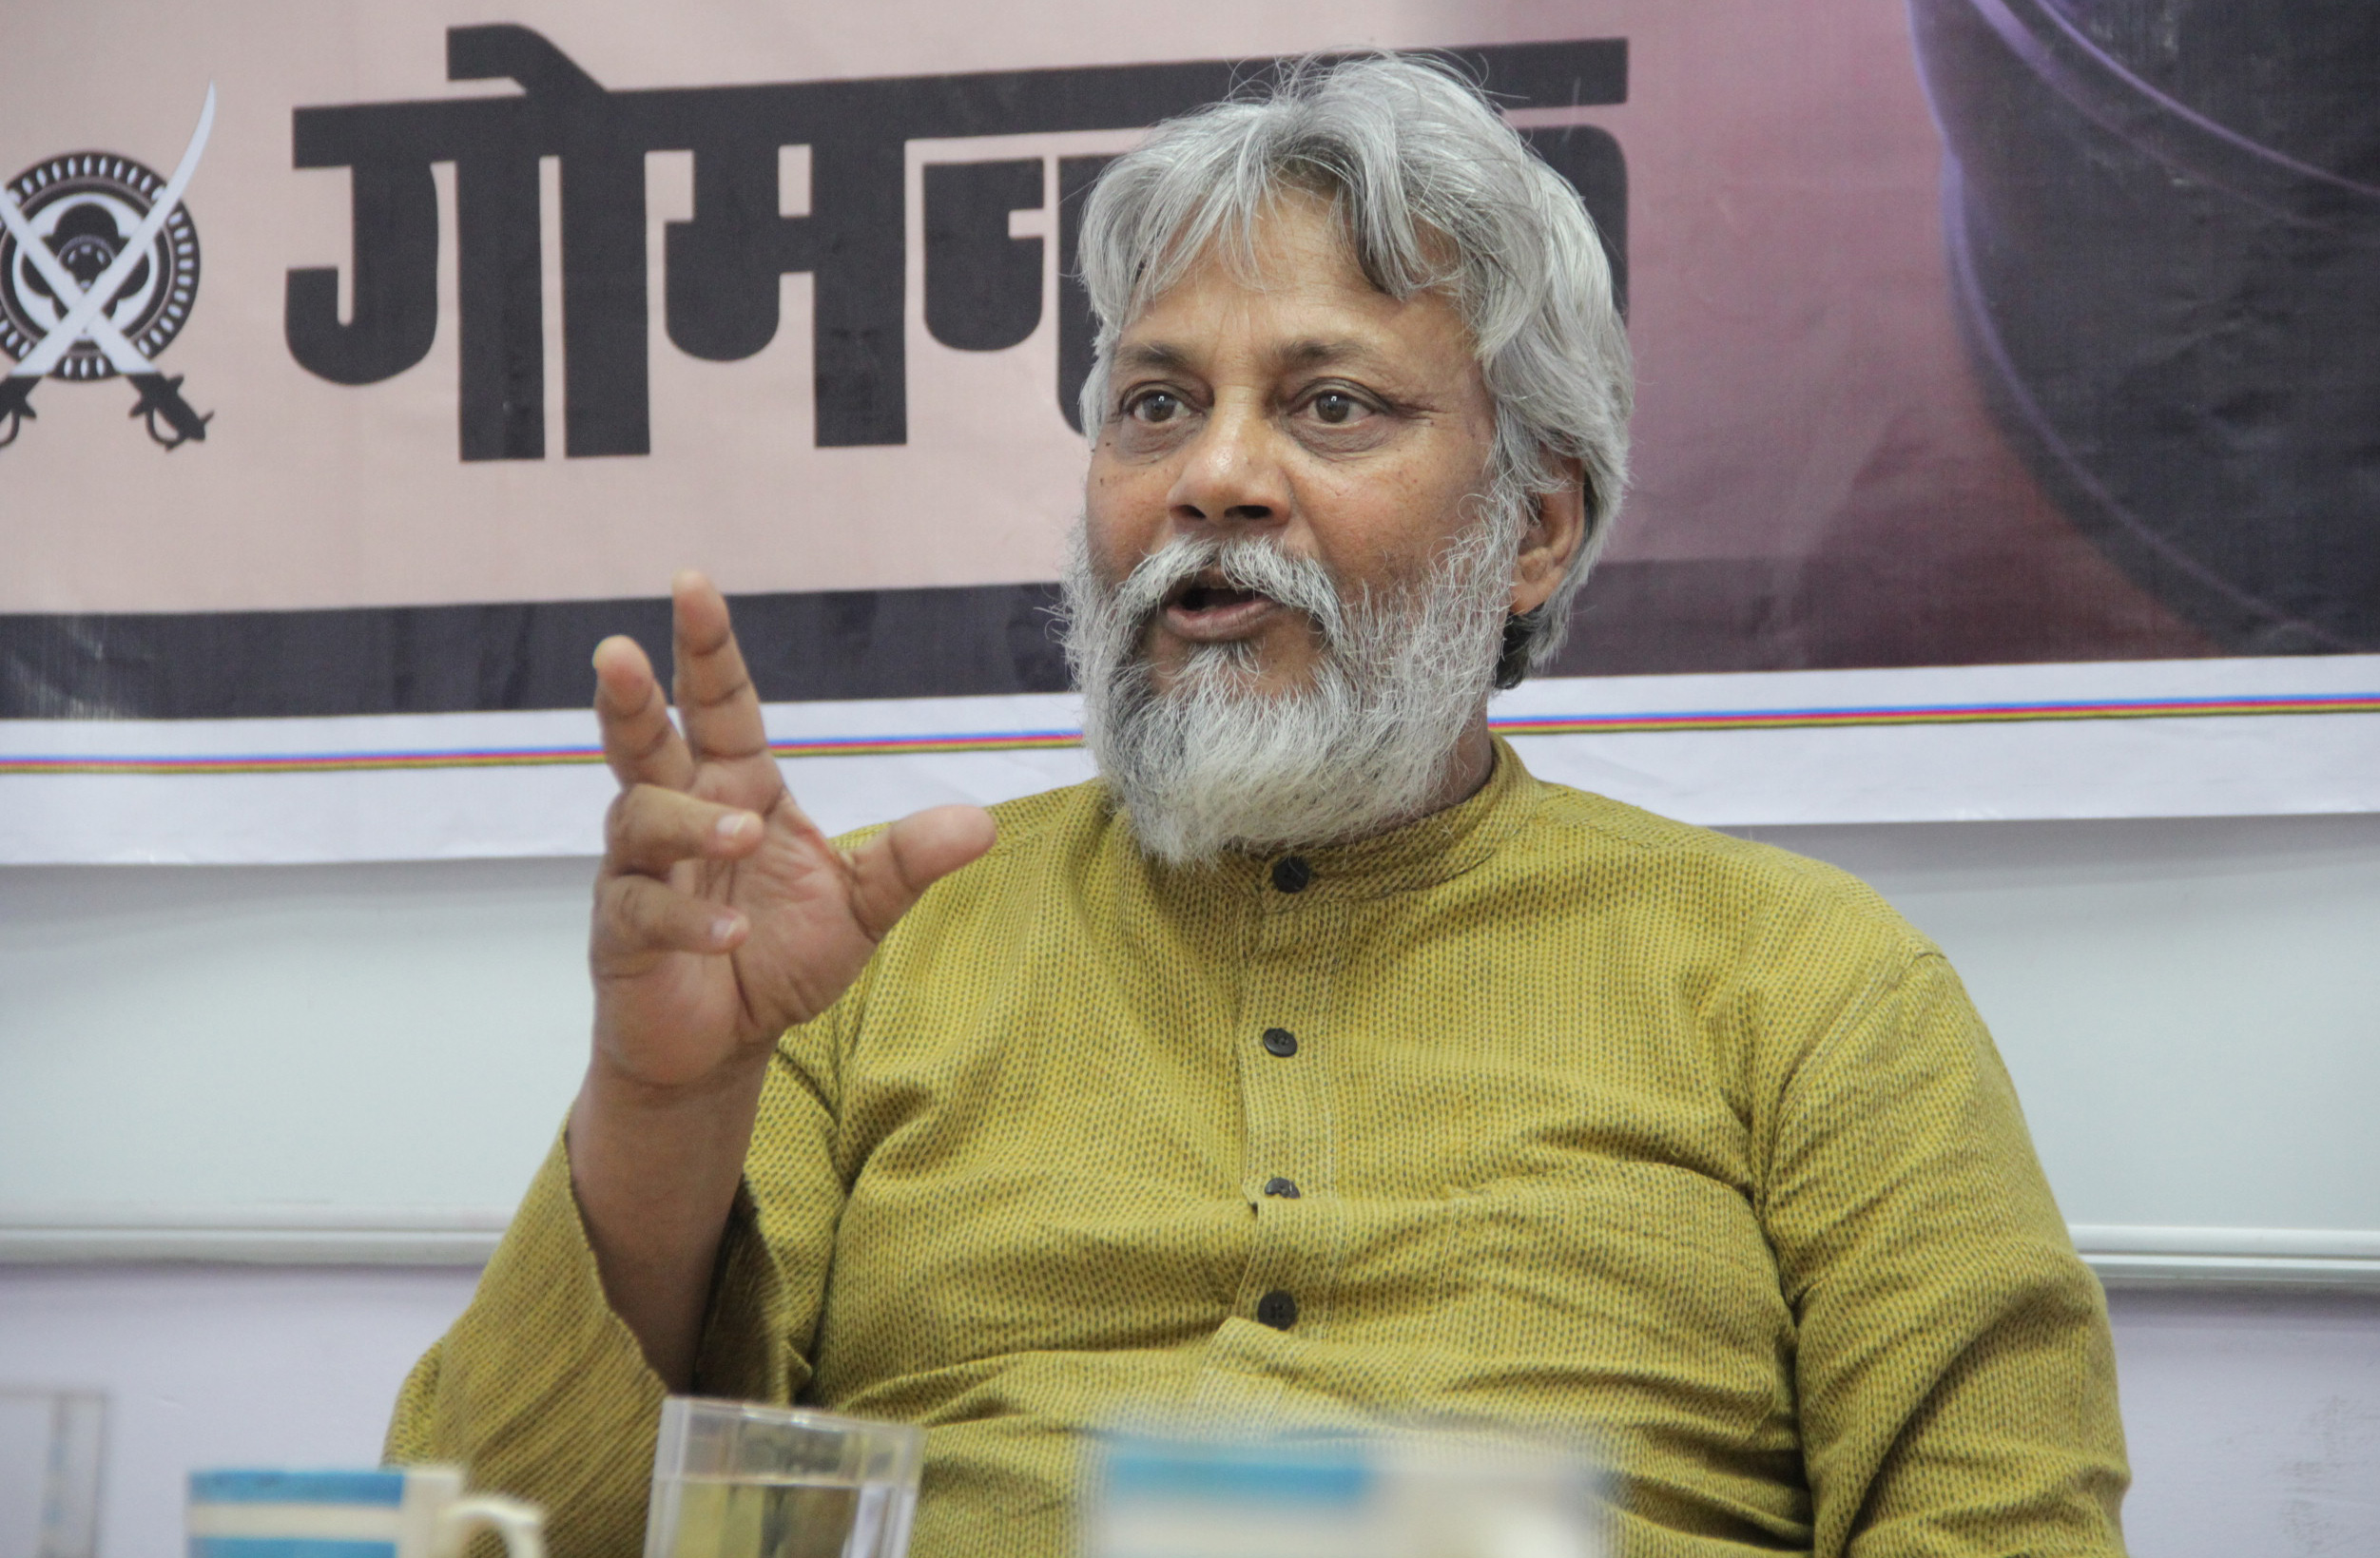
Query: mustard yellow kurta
{"type": "Point", "coordinates": [1599, 1126]}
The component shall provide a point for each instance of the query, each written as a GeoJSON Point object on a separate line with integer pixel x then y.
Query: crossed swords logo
{"type": "Point", "coordinates": [89, 311]}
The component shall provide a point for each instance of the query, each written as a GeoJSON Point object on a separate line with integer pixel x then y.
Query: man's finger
{"type": "Point", "coordinates": [891, 869]}
{"type": "Point", "coordinates": [715, 694]}
{"type": "Point", "coordinates": [636, 917]}
{"type": "Point", "coordinates": [639, 742]}
{"type": "Point", "coordinates": [650, 829]}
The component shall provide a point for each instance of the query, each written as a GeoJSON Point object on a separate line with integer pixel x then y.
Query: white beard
{"type": "Point", "coordinates": [1214, 764]}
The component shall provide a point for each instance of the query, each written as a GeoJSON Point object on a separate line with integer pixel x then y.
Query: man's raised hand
{"type": "Point", "coordinates": [723, 915]}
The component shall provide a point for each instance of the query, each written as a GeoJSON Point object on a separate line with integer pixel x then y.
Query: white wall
{"type": "Point", "coordinates": [2189, 1008]}
{"type": "Point", "coordinates": [367, 1035]}
{"type": "Point", "coordinates": [220, 1366]}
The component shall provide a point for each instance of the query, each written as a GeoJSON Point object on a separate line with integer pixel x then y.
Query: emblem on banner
{"type": "Point", "coordinates": [99, 268]}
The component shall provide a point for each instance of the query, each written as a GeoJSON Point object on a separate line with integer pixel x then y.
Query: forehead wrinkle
{"type": "Point", "coordinates": [1153, 356]}
{"type": "Point", "coordinates": [1312, 352]}
{"type": "Point", "coordinates": [1165, 356]}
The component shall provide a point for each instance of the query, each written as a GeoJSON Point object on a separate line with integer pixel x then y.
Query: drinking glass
{"type": "Point", "coordinates": [732, 1479]}
{"type": "Point", "coordinates": [51, 1445]}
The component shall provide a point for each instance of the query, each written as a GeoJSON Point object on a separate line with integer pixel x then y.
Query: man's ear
{"type": "Point", "coordinates": [1558, 528]}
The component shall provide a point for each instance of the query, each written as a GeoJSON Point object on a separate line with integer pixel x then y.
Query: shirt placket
{"type": "Point", "coordinates": [1289, 1046]}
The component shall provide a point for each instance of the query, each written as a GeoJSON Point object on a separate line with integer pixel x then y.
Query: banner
{"type": "Point", "coordinates": [2007, 368]}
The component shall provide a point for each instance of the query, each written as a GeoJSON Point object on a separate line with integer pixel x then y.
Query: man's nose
{"type": "Point", "coordinates": [1231, 474]}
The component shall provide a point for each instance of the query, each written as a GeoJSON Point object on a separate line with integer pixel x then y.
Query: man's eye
{"type": "Point", "coordinates": [1336, 408]}
{"type": "Point", "coordinates": [1156, 406]}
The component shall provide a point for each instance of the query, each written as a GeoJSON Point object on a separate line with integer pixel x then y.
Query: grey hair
{"type": "Point", "coordinates": [1432, 190]}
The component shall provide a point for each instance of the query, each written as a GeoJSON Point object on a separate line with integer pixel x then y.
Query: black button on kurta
{"type": "Point", "coordinates": [1290, 873]}
{"type": "Point", "coordinates": [1277, 1309]}
{"type": "Point", "coordinates": [1286, 1189]}
{"type": "Point", "coordinates": [1280, 1041]}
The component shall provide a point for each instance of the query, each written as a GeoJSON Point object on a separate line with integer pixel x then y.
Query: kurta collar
{"type": "Point", "coordinates": [1420, 855]}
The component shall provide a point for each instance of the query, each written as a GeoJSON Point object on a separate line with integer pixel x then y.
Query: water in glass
{"type": "Point", "coordinates": [780, 1517]}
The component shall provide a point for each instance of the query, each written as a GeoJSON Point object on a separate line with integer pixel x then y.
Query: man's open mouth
{"type": "Point", "coordinates": [1208, 606]}
{"type": "Point", "coordinates": [1202, 595]}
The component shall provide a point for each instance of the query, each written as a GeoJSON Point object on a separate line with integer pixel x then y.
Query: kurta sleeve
{"type": "Point", "coordinates": [1955, 1371]}
{"type": "Point", "coordinates": [540, 1391]}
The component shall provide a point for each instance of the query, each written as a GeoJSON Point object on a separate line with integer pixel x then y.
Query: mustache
{"type": "Point", "coordinates": [1245, 562]}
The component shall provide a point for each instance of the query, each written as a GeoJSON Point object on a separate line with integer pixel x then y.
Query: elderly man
{"type": "Point", "coordinates": [1317, 1066]}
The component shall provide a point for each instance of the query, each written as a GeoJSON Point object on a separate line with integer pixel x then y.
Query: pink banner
{"type": "Point", "coordinates": [1970, 333]}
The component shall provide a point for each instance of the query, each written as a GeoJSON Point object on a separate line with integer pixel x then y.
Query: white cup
{"type": "Point", "coordinates": [399, 1512]}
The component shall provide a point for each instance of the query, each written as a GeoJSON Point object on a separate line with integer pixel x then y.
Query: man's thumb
{"type": "Point", "coordinates": [893, 869]}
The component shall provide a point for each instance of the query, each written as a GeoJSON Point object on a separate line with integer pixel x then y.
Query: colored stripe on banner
{"type": "Point", "coordinates": [1950, 714]}
{"type": "Point", "coordinates": [1050, 740]}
